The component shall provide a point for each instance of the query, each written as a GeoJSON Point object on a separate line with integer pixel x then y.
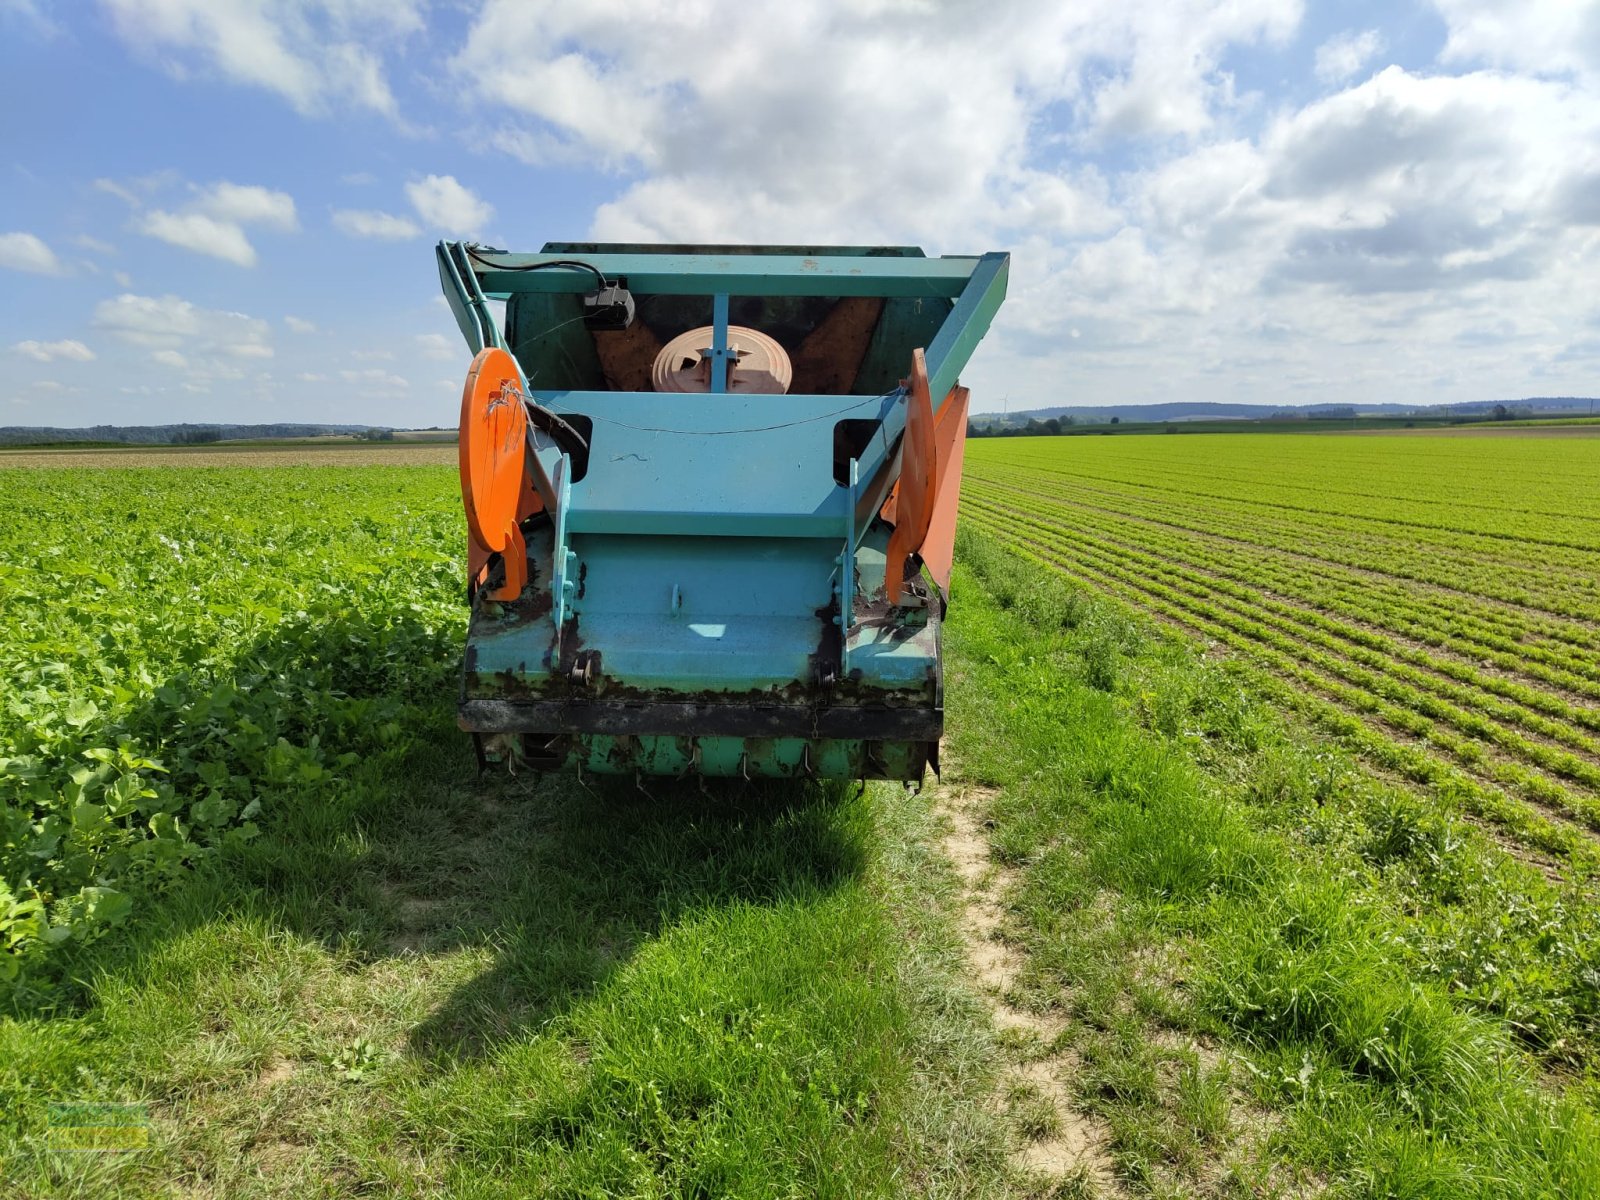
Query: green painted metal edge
{"type": "Point", "coordinates": [737, 275]}
{"type": "Point", "coordinates": [964, 328]}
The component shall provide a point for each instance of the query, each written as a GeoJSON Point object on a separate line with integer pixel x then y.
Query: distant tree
{"type": "Point", "coordinates": [376, 435]}
{"type": "Point", "coordinates": [1500, 413]}
{"type": "Point", "coordinates": [196, 437]}
{"type": "Point", "coordinates": [1052, 426]}
{"type": "Point", "coordinates": [1116, 420]}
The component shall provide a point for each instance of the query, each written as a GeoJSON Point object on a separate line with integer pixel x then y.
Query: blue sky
{"type": "Point", "coordinates": [225, 209]}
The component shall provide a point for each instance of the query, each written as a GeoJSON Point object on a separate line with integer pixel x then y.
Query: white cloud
{"type": "Point", "coordinates": [1538, 36]}
{"type": "Point", "coordinates": [318, 55]}
{"type": "Point", "coordinates": [1343, 56]}
{"type": "Point", "coordinates": [209, 342]}
{"type": "Point", "coordinates": [93, 244]}
{"type": "Point", "coordinates": [377, 376]}
{"type": "Point", "coordinates": [134, 191]}
{"type": "Point", "coordinates": [446, 204]}
{"type": "Point", "coordinates": [29, 14]}
{"type": "Point", "coordinates": [818, 130]}
{"type": "Point", "coordinates": [300, 325]}
{"type": "Point", "coordinates": [249, 204]}
{"type": "Point", "coordinates": [200, 233]}
{"type": "Point", "coordinates": [213, 222]}
{"type": "Point", "coordinates": [25, 252]}
{"type": "Point", "coordinates": [437, 346]}
{"type": "Point", "coordinates": [44, 352]}
{"type": "Point", "coordinates": [370, 224]}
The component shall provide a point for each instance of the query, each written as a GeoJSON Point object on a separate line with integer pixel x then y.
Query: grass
{"type": "Point", "coordinates": [440, 985]}
{"type": "Point", "coordinates": [385, 974]}
{"type": "Point", "coordinates": [1266, 970]}
{"type": "Point", "coordinates": [1262, 955]}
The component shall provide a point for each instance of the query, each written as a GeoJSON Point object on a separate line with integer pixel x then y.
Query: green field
{"type": "Point", "coordinates": [1234, 915]}
{"type": "Point", "coordinates": [1433, 601]}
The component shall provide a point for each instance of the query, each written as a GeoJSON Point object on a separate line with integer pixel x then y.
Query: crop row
{"type": "Point", "coordinates": [1553, 583]}
{"type": "Point", "coordinates": [1523, 495]}
{"type": "Point", "coordinates": [1473, 740]}
{"type": "Point", "coordinates": [1466, 639]}
{"type": "Point", "coordinates": [1459, 684]}
{"type": "Point", "coordinates": [1371, 734]}
{"type": "Point", "coordinates": [1403, 571]}
{"type": "Point", "coordinates": [1392, 737]}
{"type": "Point", "coordinates": [1352, 668]}
{"type": "Point", "coordinates": [1462, 637]}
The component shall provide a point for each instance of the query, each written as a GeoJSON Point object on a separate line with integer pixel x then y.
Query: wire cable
{"type": "Point", "coordinates": [566, 263]}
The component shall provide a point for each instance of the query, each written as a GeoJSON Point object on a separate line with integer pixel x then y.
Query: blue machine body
{"type": "Point", "coordinates": [707, 593]}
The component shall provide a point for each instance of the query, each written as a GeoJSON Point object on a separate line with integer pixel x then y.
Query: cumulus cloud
{"type": "Point", "coordinates": [213, 221]}
{"type": "Point", "coordinates": [749, 146]}
{"type": "Point", "coordinates": [1538, 36]}
{"type": "Point", "coordinates": [249, 205]}
{"type": "Point", "coordinates": [207, 344]}
{"type": "Point", "coordinates": [318, 55]}
{"type": "Point", "coordinates": [66, 349]}
{"type": "Point", "coordinates": [300, 325]}
{"type": "Point", "coordinates": [200, 233]}
{"type": "Point", "coordinates": [437, 346]}
{"type": "Point", "coordinates": [367, 223]}
{"type": "Point", "coordinates": [376, 380]}
{"type": "Point", "coordinates": [25, 252]}
{"type": "Point", "coordinates": [1340, 57]}
{"type": "Point", "coordinates": [446, 204]}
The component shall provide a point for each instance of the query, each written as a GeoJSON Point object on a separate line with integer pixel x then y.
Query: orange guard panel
{"type": "Point", "coordinates": [492, 453]}
{"type": "Point", "coordinates": [930, 503]}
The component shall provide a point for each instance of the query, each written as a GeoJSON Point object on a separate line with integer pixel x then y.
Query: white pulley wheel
{"type": "Point", "coordinates": [757, 366]}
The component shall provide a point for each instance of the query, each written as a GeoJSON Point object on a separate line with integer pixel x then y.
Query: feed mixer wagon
{"type": "Point", "coordinates": [711, 496]}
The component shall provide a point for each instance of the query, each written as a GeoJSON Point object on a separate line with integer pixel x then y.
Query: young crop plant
{"type": "Point", "coordinates": [261, 906]}
{"type": "Point", "coordinates": [1325, 979]}
{"type": "Point", "coordinates": [197, 657]}
{"type": "Point", "coordinates": [1430, 601]}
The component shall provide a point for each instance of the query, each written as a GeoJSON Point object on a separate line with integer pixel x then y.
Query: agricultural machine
{"type": "Point", "coordinates": [711, 498]}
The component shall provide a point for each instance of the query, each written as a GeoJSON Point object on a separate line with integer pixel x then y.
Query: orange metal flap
{"type": "Point", "coordinates": [950, 436]}
{"type": "Point", "coordinates": [919, 478]}
{"type": "Point", "coordinates": [491, 453]}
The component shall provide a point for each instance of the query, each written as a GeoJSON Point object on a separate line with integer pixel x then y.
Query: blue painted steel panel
{"type": "Point", "coordinates": [708, 556]}
{"type": "Point", "coordinates": [697, 463]}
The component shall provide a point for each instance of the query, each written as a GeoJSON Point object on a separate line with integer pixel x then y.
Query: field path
{"type": "Point", "coordinates": [1075, 1146]}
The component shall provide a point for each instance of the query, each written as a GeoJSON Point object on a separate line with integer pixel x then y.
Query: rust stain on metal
{"type": "Point", "coordinates": [826, 363]}
{"type": "Point", "coordinates": [626, 356]}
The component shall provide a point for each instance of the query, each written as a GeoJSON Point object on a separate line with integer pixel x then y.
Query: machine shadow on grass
{"type": "Point", "coordinates": [566, 879]}
{"type": "Point", "coordinates": [411, 853]}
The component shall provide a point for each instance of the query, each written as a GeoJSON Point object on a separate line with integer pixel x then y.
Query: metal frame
{"type": "Point", "coordinates": [976, 284]}
{"type": "Point", "coordinates": [696, 475]}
